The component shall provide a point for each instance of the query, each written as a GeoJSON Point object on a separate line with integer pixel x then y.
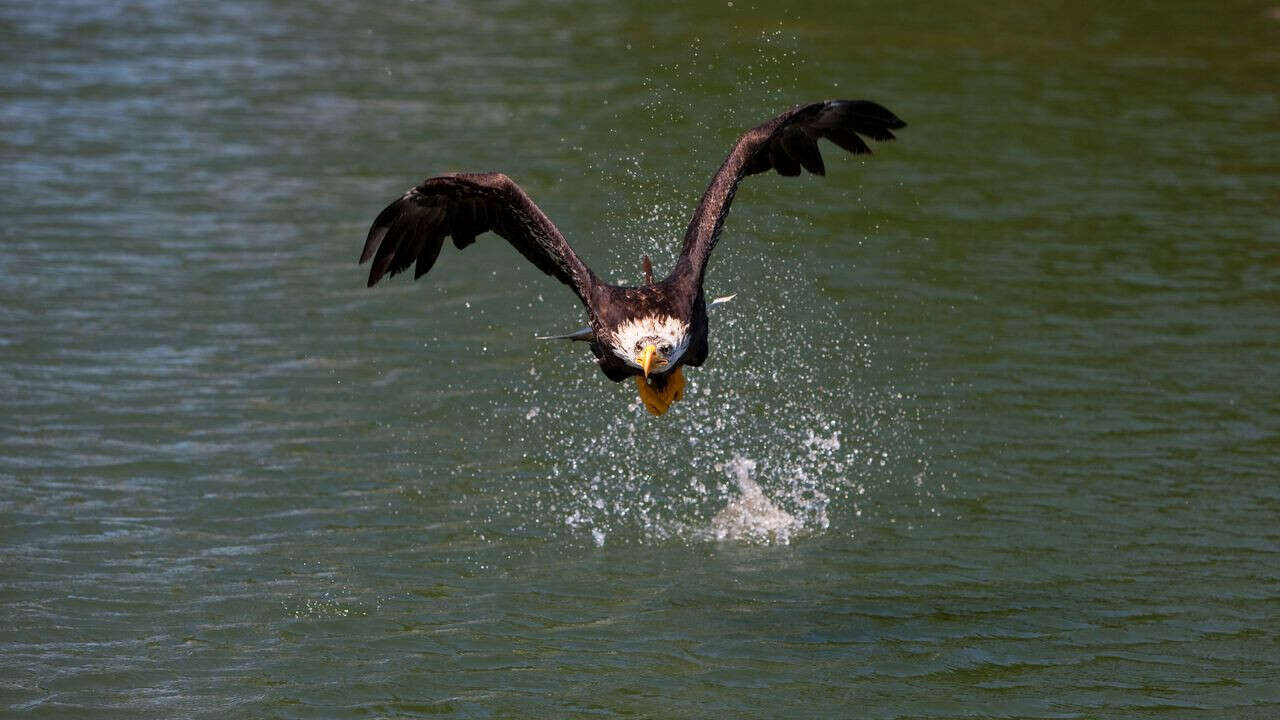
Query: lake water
{"type": "Point", "coordinates": [991, 429]}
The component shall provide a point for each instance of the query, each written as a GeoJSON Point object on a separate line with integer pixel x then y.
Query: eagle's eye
{"type": "Point", "coordinates": [665, 349]}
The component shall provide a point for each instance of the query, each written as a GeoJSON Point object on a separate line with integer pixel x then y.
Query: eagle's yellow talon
{"type": "Point", "coordinates": [675, 386]}
{"type": "Point", "coordinates": [659, 401]}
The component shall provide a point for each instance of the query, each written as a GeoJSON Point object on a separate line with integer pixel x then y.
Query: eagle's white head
{"type": "Point", "coordinates": [653, 343]}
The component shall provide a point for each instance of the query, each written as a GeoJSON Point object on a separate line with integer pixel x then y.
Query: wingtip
{"type": "Point", "coordinates": [869, 110]}
{"type": "Point", "coordinates": [371, 243]}
{"type": "Point", "coordinates": [380, 268]}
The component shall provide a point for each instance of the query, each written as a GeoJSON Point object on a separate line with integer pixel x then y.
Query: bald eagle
{"type": "Point", "coordinates": [649, 331]}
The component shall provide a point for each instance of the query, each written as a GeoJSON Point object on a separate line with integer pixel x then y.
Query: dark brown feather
{"type": "Point", "coordinates": [785, 143]}
{"type": "Point", "coordinates": [416, 228]}
{"type": "Point", "coordinates": [757, 164]}
{"type": "Point", "coordinates": [463, 235]}
{"type": "Point", "coordinates": [387, 249]}
{"type": "Point", "coordinates": [782, 161]}
{"type": "Point", "coordinates": [464, 206]}
{"type": "Point", "coordinates": [848, 140]}
{"type": "Point", "coordinates": [378, 230]}
{"type": "Point", "coordinates": [805, 150]}
{"type": "Point", "coordinates": [463, 224]}
{"type": "Point", "coordinates": [371, 243]}
{"type": "Point", "coordinates": [427, 256]}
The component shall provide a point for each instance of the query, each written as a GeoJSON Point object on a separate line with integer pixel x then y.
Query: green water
{"type": "Point", "coordinates": [990, 430]}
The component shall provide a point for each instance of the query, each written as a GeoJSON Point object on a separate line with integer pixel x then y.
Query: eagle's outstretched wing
{"type": "Point", "coordinates": [786, 143]}
{"type": "Point", "coordinates": [464, 205]}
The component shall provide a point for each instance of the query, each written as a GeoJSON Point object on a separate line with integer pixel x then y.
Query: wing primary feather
{"type": "Point", "coordinates": [848, 140]}
{"type": "Point", "coordinates": [428, 255]}
{"type": "Point", "coordinates": [386, 252]}
{"type": "Point", "coordinates": [382, 223]}
{"type": "Point", "coordinates": [463, 206]}
{"type": "Point", "coordinates": [799, 146]}
{"type": "Point", "coordinates": [869, 117]}
{"type": "Point", "coordinates": [782, 162]}
{"type": "Point", "coordinates": [371, 243]}
{"type": "Point", "coordinates": [786, 143]}
{"type": "Point", "coordinates": [403, 241]}
{"type": "Point", "coordinates": [411, 241]}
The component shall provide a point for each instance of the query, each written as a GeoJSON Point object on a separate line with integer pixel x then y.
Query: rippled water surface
{"type": "Point", "coordinates": [991, 428]}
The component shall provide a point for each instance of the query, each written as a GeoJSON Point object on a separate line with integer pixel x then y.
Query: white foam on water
{"type": "Point", "coordinates": [761, 450]}
{"type": "Point", "coordinates": [751, 516]}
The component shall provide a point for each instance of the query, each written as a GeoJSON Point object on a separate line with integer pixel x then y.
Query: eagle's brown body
{"type": "Point", "coordinates": [669, 298]}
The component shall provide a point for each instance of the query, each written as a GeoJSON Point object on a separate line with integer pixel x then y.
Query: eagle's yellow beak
{"type": "Point", "coordinates": [657, 401]}
{"type": "Point", "coordinates": [647, 359]}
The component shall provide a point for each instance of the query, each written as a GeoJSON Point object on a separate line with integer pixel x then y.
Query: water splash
{"type": "Point", "coordinates": [793, 427]}
{"type": "Point", "coordinates": [752, 516]}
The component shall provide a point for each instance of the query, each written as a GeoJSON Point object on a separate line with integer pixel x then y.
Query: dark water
{"type": "Point", "coordinates": [990, 430]}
